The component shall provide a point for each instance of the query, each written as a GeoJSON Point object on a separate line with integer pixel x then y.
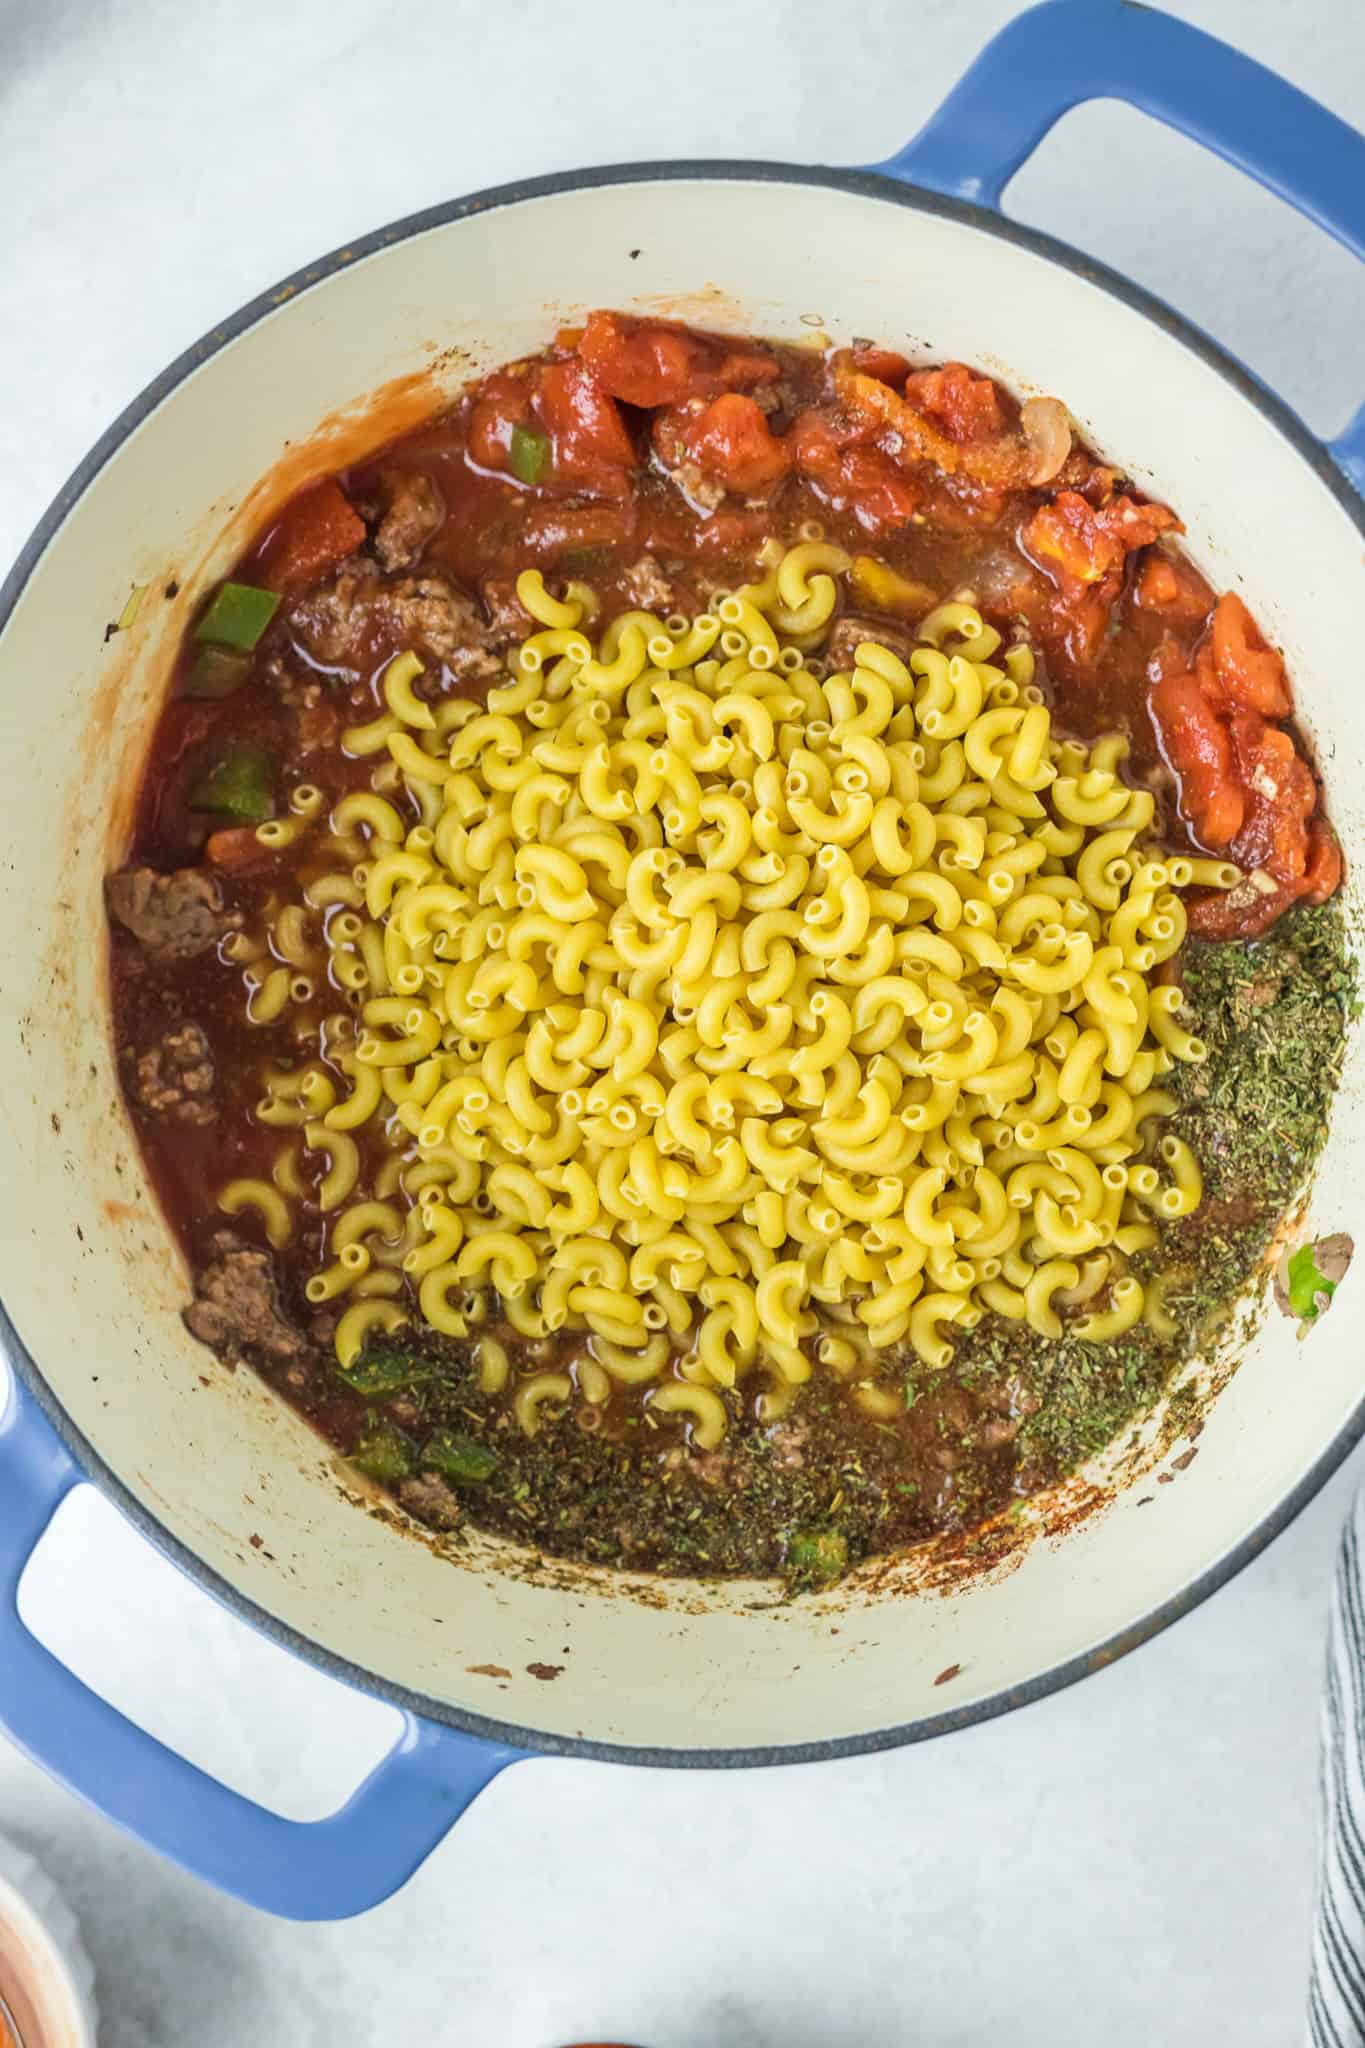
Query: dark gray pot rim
{"type": "Point", "coordinates": [871, 185]}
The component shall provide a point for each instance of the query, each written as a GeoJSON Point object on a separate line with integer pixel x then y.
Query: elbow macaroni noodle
{"type": "Point", "coordinates": [737, 1015]}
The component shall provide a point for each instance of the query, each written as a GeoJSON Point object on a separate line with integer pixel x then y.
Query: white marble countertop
{"type": "Point", "coordinates": [1132, 1859]}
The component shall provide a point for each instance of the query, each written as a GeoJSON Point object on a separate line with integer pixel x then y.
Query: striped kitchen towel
{"type": "Point", "coordinates": [1336, 1995]}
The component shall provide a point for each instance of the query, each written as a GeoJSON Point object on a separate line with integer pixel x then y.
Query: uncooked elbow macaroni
{"type": "Point", "coordinates": [737, 1015]}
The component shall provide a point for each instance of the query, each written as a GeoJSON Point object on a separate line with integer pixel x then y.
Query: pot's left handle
{"type": "Point", "coordinates": [304, 1870]}
{"type": "Point", "coordinates": [1052, 57]}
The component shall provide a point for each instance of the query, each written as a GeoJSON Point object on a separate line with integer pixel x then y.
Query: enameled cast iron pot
{"type": "Point", "coordinates": [108, 1385]}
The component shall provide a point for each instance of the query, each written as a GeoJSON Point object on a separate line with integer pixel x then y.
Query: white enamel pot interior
{"type": "Point", "coordinates": [206, 1460]}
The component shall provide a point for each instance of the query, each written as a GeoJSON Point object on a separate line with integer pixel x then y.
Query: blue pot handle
{"type": "Point", "coordinates": [1054, 56]}
{"type": "Point", "coordinates": [318, 1870]}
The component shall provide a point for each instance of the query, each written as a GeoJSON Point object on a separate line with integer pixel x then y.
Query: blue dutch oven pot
{"type": "Point", "coordinates": [952, 177]}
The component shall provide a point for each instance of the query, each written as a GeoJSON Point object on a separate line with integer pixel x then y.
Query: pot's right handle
{"type": "Point", "coordinates": [304, 1870]}
{"type": "Point", "coordinates": [1052, 57]}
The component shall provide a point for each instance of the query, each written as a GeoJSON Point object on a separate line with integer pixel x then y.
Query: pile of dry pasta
{"type": "Point", "coordinates": [737, 1013]}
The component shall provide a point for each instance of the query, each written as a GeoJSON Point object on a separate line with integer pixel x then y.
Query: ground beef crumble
{"type": "Point", "coordinates": [431, 1501]}
{"type": "Point", "coordinates": [174, 1077]}
{"type": "Point", "coordinates": [427, 612]}
{"type": "Point", "coordinates": [414, 512]}
{"type": "Point", "coordinates": [843, 643]}
{"type": "Point", "coordinates": [647, 586]}
{"type": "Point", "coordinates": [236, 1309]}
{"type": "Point", "coordinates": [174, 916]}
{"type": "Point", "coordinates": [508, 618]}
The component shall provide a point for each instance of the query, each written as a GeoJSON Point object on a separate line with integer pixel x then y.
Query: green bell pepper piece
{"type": "Point", "coordinates": [461, 1458]}
{"type": "Point", "coordinates": [386, 1368]}
{"type": "Point", "coordinates": [383, 1453]}
{"type": "Point", "coordinates": [237, 616]}
{"type": "Point", "coordinates": [1306, 1283]}
{"type": "Point", "coordinates": [528, 453]}
{"type": "Point", "coordinates": [240, 785]}
{"type": "Point", "coordinates": [816, 1557]}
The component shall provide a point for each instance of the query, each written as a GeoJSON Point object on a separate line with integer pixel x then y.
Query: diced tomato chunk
{"type": "Point", "coordinates": [837, 456]}
{"type": "Point", "coordinates": [1253, 906]}
{"type": "Point", "coordinates": [1281, 795]}
{"type": "Point", "coordinates": [730, 439]}
{"type": "Point", "coordinates": [318, 529]}
{"type": "Point", "coordinates": [1199, 749]}
{"type": "Point", "coordinates": [1241, 913]}
{"type": "Point", "coordinates": [1130, 525]}
{"type": "Point", "coordinates": [504, 402]}
{"type": "Point", "coordinates": [1158, 585]}
{"type": "Point", "coordinates": [965, 405]}
{"type": "Point", "coordinates": [1322, 876]}
{"type": "Point", "coordinates": [235, 848]}
{"type": "Point", "coordinates": [816, 447]}
{"type": "Point", "coordinates": [1174, 587]}
{"type": "Point", "coordinates": [651, 363]}
{"type": "Point", "coordinates": [641, 362]}
{"type": "Point", "coordinates": [1250, 673]}
{"type": "Point", "coordinates": [884, 364]}
{"type": "Point", "coordinates": [1069, 536]}
{"type": "Point", "coordinates": [591, 446]}
{"type": "Point", "coordinates": [745, 369]}
{"type": "Point", "coordinates": [1066, 535]}
{"type": "Point", "coordinates": [1244, 784]}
